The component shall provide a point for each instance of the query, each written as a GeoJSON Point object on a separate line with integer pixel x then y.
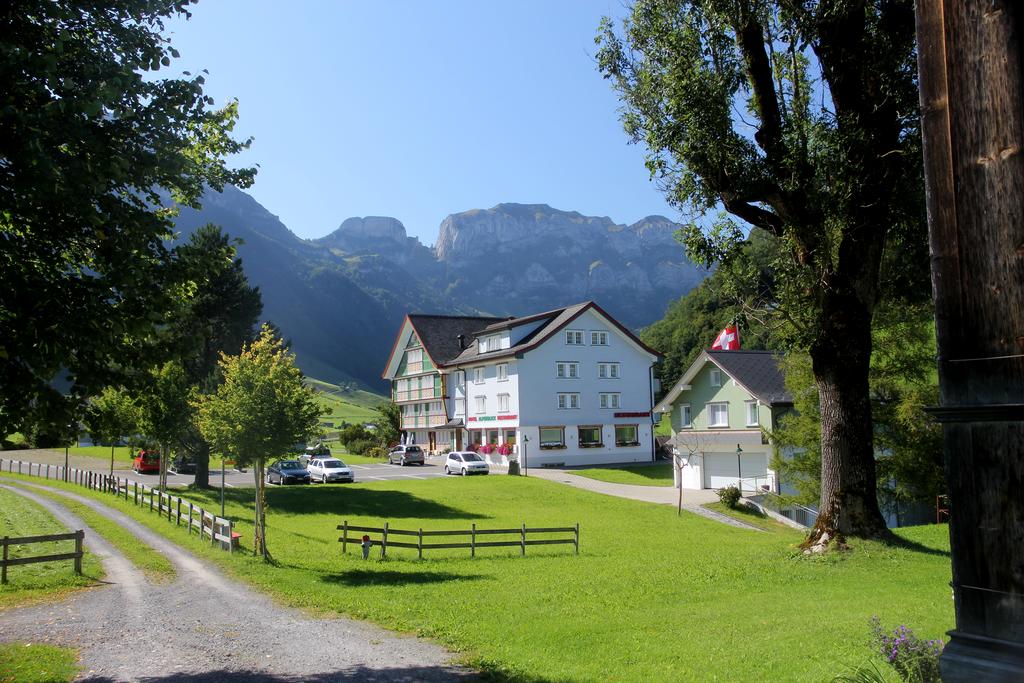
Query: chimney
{"type": "Point", "coordinates": [462, 342]}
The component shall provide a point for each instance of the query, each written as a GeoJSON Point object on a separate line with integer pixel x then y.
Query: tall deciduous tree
{"type": "Point", "coordinates": [90, 148]}
{"type": "Point", "coordinates": [111, 416]}
{"type": "Point", "coordinates": [799, 118]}
{"type": "Point", "coordinates": [219, 317]}
{"type": "Point", "coordinates": [165, 411]}
{"type": "Point", "coordinates": [260, 411]}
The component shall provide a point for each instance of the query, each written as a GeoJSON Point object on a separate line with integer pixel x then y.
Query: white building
{"type": "Point", "coordinates": [570, 386]}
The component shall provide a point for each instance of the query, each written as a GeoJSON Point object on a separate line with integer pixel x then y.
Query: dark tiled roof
{"type": "Point", "coordinates": [758, 371]}
{"type": "Point", "coordinates": [440, 333]}
{"type": "Point", "coordinates": [552, 321]}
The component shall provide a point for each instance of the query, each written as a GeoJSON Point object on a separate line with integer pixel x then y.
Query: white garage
{"type": "Point", "coordinates": [725, 469]}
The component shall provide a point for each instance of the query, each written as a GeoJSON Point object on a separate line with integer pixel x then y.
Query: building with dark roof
{"type": "Point", "coordinates": [568, 386]}
{"type": "Point", "coordinates": [720, 410]}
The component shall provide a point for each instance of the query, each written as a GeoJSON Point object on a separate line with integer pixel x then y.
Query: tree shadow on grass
{"type": "Point", "coordinates": [893, 541]}
{"type": "Point", "coordinates": [370, 577]}
{"type": "Point", "coordinates": [352, 674]}
{"type": "Point", "coordinates": [338, 500]}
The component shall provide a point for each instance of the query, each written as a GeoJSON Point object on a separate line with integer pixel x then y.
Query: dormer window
{"type": "Point", "coordinates": [489, 343]}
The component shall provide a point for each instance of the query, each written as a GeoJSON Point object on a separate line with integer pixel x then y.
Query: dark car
{"type": "Point", "coordinates": [287, 472]}
{"type": "Point", "coordinates": [406, 455]}
{"type": "Point", "coordinates": [182, 465]}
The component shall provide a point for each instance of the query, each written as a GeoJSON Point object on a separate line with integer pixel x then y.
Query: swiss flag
{"type": "Point", "coordinates": [727, 340]}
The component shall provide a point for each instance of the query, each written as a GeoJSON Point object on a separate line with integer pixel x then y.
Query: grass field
{"type": "Point", "coordinates": [643, 475]}
{"type": "Point", "coordinates": [345, 405]}
{"type": "Point", "coordinates": [651, 596]}
{"type": "Point", "coordinates": [748, 515]}
{"type": "Point", "coordinates": [36, 582]}
{"type": "Point", "coordinates": [35, 663]}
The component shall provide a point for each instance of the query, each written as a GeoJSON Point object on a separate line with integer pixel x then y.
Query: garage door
{"type": "Point", "coordinates": [722, 469]}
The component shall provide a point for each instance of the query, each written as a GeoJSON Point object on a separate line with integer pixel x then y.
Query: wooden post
{"type": "Point", "coordinates": [231, 538]}
{"type": "Point", "coordinates": [79, 535]}
{"type": "Point", "coordinates": [472, 541]}
{"type": "Point", "coordinates": [384, 542]}
{"type": "Point", "coordinates": [135, 492]}
{"type": "Point", "coordinates": [213, 530]}
{"type": "Point", "coordinates": [344, 537]}
{"type": "Point", "coordinates": [576, 538]}
{"type": "Point", "coordinates": [177, 517]}
{"type": "Point", "coordinates": [202, 521]}
{"type": "Point", "coordinates": [971, 76]}
{"type": "Point", "coordinates": [190, 518]}
{"type": "Point", "coordinates": [19, 467]}
{"type": "Point", "coordinates": [420, 544]}
{"type": "Point", "coordinates": [47, 471]}
{"type": "Point", "coordinates": [170, 510]}
{"type": "Point", "coordinates": [151, 491]}
{"type": "Point", "coordinates": [522, 547]}
{"type": "Point", "coordinates": [3, 577]}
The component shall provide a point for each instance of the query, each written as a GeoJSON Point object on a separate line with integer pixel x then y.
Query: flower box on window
{"type": "Point", "coordinates": [551, 446]}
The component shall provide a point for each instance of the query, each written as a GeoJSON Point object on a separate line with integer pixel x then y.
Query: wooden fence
{"type": "Point", "coordinates": [8, 561]}
{"type": "Point", "coordinates": [175, 509]}
{"type": "Point", "coordinates": [522, 542]}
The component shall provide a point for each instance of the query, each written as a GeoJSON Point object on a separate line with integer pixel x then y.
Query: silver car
{"type": "Point", "coordinates": [406, 455]}
{"type": "Point", "coordinates": [465, 462]}
{"type": "Point", "coordinates": [329, 469]}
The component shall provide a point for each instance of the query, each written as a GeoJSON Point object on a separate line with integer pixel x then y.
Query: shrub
{"type": "Point", "coordinates": [378, 452]}
{"type": "Point", "coordinates": [730, 496]}
{"type": "Point", "coordinates": [915, 660]}
{"type": "Point", "coordinates": [360, 446]}
{"type": "Point", "coordinates": [353, 433]}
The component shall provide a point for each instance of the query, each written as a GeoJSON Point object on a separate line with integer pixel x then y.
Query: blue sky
{"type": "Point", "coordinates": [419, 109]}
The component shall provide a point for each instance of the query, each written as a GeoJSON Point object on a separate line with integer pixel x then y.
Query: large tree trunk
{"type": "Point", "coordinates": [259, 546]}
{"type": "Point", "coordinates": [201, 455]}
{"type": "Point", "coordinates": [840, 358]}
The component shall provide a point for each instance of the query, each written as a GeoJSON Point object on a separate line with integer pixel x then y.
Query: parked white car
{"type": "Point", "coordinates": [465, 462]}
{"type": "Point", "coordinates": [329, 469]}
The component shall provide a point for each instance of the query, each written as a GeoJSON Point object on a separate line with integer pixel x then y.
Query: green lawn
{"type": "Point", "coordinates": [747, 514]}
{"type": "Point", "coordinates": [651, 596]}
{"type": "Point", "coordinates": [35, 663]}
{"type": "Point", "coordinates": [664, 426]}
{"type": "Point", "coordinates": [47, 580]}
{"type": "Point", "coordinates": [638, 475]}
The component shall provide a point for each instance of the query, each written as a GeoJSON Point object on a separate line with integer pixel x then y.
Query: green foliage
{"type": "Point", "coordinates": [378, 452]}
{"type": "Point", "coordinates": [388, 423]}
{"type": "Point", "coordinates": [260, 411]}
{"type": "Point", "coordinates": [165, 411]}
{"type": "Point", "coordinates": [903, 383]}
{"type": "Point", "coordinates": [729, 496]}
{"type": "Point", "coordinates": [354, 433]}
{"type": "Point", "coordinates": [914, 659]}
{"type": "Point", "coordinates": [92, 144]}
{"type": "Point", "coordinates": [111, 416]}
{"type": "Point", "coordinates": [361, 446]}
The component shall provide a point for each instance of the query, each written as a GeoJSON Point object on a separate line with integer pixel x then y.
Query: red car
{"type": "Point", "coordinates": [146, 462]}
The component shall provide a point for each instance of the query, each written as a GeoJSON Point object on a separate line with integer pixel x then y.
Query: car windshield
{"type": "Point", "coordinates": [290, 465]}
{"type": "Point", "coordinates": [472, 457]}
{"type": "Point", "coordinates": [412, 449]}
{"type": "Point", "coordinates": [333, 464]}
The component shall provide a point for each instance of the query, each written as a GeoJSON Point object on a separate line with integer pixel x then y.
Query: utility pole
{"type": "Point", "coordinates": [970, 62]}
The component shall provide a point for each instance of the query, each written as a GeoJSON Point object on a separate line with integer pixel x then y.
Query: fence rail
{"type": "Point", "coordinates": [522, 532]}
{"type": "Point", "coordinates": [8, 541]}
{"type": "Point", "coordinates": [175, 509]}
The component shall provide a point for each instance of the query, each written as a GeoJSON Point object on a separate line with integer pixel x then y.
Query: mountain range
{"type": "Point", "coordinates": [340, 299]}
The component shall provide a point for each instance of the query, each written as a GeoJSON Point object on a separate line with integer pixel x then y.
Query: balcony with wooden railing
{"type": "Point", "coordinates": [423, 420]}
{"type": "Point", "coordinates": [418, 394]}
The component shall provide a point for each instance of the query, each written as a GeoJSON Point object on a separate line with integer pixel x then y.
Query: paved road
{"type": "Point", "coordinates": [232, 478]}
{"type": "Point", "coordinates": [128, 629]}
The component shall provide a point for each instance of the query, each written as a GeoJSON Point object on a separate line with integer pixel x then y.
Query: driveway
{"type": "Point", "coordinates": [204, 626]}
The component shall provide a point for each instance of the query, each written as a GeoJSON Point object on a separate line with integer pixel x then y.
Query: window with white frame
{"type": "Point", "coordinates": [685, 416]}
{"type": "Point", "coordinates": [478, 375]}
{"type": "Point", "coordinates": [502, 371]}
{"type": "Point", "coordinates": [568, 401]}
{"type": "Point", "coordinates": [460, 406]}
{"type": "Point", "coordinates": [552, 437]}
{"type": "Point", "coordinates": [716, 377]}
{"type": "Point", "coordinates": [489, 343]}
{"type": "Point", "coordinates": [627, 435]}
{"type": "Point", "coordinates": [608, 400]}
{"type": "Point", "coordinates": [718, 415]}
{"type": "Point", "coordinates": [608, 370]}
{"type": "Point", "coordinates": [460, 378]}
{"type": "Point", "coordinates": [414, 360]}
{"type": "Point", "coordinates": [481, 404]}
{"type": "Point", "coordinates": [751, 413]}
{"type": "Point", "coordinates": [599, 338]}
{"type": "Point", "coordinates": [574, 337]}
{"type": "Point", "coordinates": [567, 370]}
{"type": "Point", "coordinates": [502, 403]}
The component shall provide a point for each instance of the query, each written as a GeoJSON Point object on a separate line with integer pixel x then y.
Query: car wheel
{"type": "Point", "coordinates": [323, 478]}
{"type": "Point", "coordinates": [446, 470]}
{"type": "Point", "coordinates": [464, 471]}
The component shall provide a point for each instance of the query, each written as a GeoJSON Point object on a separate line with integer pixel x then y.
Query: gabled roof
{"type": "Point", "coordinates": [756, 371]}
{"type": "Point", "coordinates": [550, 323]}
{"type": "Point", "coordinates": [439, 334]}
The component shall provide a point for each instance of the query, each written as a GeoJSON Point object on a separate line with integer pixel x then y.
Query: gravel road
{"type": "Point", "coordinates": [204, 626]}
